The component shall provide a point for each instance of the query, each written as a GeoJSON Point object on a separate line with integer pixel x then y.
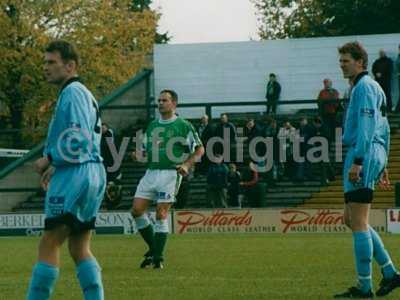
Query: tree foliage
{"type": "Point", "coordinates": [140, 5]}
{"type": "Point", "coordinates": [112, 38]}
{"type": "Point", "coordinates": [315, 18]}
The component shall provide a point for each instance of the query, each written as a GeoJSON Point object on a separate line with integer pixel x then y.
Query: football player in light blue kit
{"type": "Point", "coordinates": [366, 133]}
{"type": "Point", "coordinates": [74, 176]}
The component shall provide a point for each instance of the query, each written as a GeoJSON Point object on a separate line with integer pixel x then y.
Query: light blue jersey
{"type": "Point", "coordinates": [74, 132]}
{"type": "Point", "coordinates": [366, 132]}
{"type": "Point", "coordinates": [73, 147]}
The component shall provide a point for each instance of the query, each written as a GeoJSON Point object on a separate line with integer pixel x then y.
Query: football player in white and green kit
{"type": "Point", "coordinates": [171, 147]}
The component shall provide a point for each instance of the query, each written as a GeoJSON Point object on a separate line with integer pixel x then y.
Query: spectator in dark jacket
{"type": "Point", "coordinates": [327, 171]}
{"type": "Point", "coordinates": [252, 131]}
{"type": "Point", "coordinates": [217, 183]}
{"type": "Point", "coordinates": [113, 193]}
{"type": "Point", "coordinates": [398, 80]}
{"type": "Point", "coordinates": [233, 186]}
{"type": "Point", "coordinates": [205, 131]}
{"type": "Point", "coordinates": [273, 92]}
{"type": "Point", "coordinates": [271, 131]}
{"type": "Point", "coordinates": [382, 69]}
{"type": "Point", "coordinates": [226, 127]}
{"type": "Point", "coordinates": [248, 183]}
{"type": "Point", "coordinates": [306, 132]}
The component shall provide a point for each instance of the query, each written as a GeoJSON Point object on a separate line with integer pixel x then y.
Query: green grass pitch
{"type": "Point", "coordinates": [217, 266]}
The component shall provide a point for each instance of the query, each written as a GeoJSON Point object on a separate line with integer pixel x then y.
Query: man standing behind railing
{"type": "Point", "coordinates": [273, 91]}
{"type": "Point", "coordinates": [398, 80]}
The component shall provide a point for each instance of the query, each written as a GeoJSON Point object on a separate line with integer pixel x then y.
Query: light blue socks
{"type": "Point", "coordinates": [363, 256]}
{"type": "Point", "coordinates": [89, 275]}
{"type": "Point", "coordinates": [381, 255]}
{"type": "Point", "coordinates": [44, 276]}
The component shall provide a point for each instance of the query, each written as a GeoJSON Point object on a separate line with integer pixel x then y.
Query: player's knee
{"type": "Point", "coordinates": [161, 213]}
{"type": "Point", "coordinates": [359, 225]}
{"type": "Point", "coordinates": [78, 252]}
{"type": "Point", "coordinates": [136, 212]}
{"type": "Point", "coordinates": [51, 240]}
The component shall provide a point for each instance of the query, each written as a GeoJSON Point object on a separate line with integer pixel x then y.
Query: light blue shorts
{"type": "Point", "coordinates": [76, 191]}
{"type": "Point", "coordinates": [372, 168]}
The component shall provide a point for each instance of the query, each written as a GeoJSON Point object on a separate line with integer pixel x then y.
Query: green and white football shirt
{"type": "Point", "coordinates": [169, 142]}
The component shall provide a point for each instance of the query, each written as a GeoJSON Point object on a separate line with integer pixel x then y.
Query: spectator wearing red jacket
{"type": "Point", "coordinates": [328, 103]}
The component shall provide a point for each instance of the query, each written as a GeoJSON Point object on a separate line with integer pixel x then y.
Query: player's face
{"type": "Point", "coordinates": [166, 104]}
{"type": "Point", "coordinates": [56, 70]}
{"type": "Point", "coordinates": [350, 67]}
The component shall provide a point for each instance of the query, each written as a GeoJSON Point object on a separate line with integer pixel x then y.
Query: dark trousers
{"type": "Point", "coordinates": [216, 196]}
{"type": "Point", "coordinates": [330, 122]}
{"type": "Point", "coordinates": [398, 102]}
{"type": "Point", "coordinates": [387, 88]}
{"type": "Point", "coordinates": [271, 107]}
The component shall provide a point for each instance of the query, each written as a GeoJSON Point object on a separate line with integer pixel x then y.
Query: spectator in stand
{"type": "Point", "coordinates": [233, 186]}
{"type": "Point", "coordinates": [273, 92]}
{"type": "Point", "coordinates": [398, 79]}
{"type": "Point", "coordinates": [346, 100]}
{"type": "Point", "coordinates": [217, 182]}
{"type": "Point", "coordinates": [230, 129]}
{"type": "Point", "coordinates": [304, 168]}
{"type": "Point", "coordinates": [113, 193]}
{"type": "Point", "coordinates": [248, 183]}
{"type": "Point", "coordinates": [271, 131]}
{"type": "Point", "coordinates": [328, 104]}
{"type": "Point", "coordinates": [252, 131]}
{"type": "Point", "coordinates": [326, 169]}
{"type": "Point", "coordinates": [382, 69]}
{"type": "Point", "coordinates": [286, 136]}
{"type": "Point", "coordinates": [205, 131]}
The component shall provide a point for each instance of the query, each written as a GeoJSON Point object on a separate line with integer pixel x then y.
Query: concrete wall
{"type": "Point", "coordinates": [119, 119]}
{"type": "Point", "coordinates": [22, 177]}
{"type": "Point", "coordinates": [237, 71]}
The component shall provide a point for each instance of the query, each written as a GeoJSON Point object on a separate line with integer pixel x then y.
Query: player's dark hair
{"type": "Point", "coordinates": [172, 93]}
{"type": "Point", "coordinates": [67, 50]}
{"type": "Point", "coordinates": [357, 52]}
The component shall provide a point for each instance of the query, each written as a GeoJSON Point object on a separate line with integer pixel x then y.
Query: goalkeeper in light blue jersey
{"type": "Point", "coordinates": [366, 133]}
{"type": "Point", "coordinates": [74, 177]}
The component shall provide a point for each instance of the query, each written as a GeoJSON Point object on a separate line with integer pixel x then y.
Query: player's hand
{"type": "Point", "coordinates": [183, 169]}
{"type": "Point", "coordinates": [41, 165]}
{"type": "Point", "coordinates": [134, 156]}
{"type": "Point", "coordinates": [46, 176]}
{"type": "Point", "coordinates": [354, 173]}
{"type": "Point", "coordinates": [384, 182]}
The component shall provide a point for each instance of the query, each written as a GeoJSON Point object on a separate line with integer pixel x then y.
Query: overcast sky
{"type": "Point", "coordinates": [202, 21]}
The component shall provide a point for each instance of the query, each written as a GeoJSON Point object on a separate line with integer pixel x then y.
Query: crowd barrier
{"type": "Point", "coordinates": [194, 221]}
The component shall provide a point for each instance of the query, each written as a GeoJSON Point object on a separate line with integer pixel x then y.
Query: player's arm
{"type": "Point", "coordinates": [196, 148]}
{"type": "Point", "coordinates": [184, 168]}
{"type": "Point", "coordinates": [384, 182]}
{"type": "Point", "coordinates": [367, 114]}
